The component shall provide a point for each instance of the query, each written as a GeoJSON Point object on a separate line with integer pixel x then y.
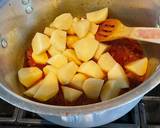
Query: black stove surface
{"type": "Point", "coordinates": [145, 114]}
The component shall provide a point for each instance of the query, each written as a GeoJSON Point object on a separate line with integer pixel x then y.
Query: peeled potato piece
{"type": "Point", "coordinates": [92, 69]}
{"type": "Point", "coordinates": [93, 28]}
{"type": "Point", "coordinates": [28, 76]}
{"type": "Point", "coordinates": [71, 40]}
{"type": "Point", "coordinates": [58, 39]}
{"type": "Point", "coordinates": [117, 72]}
{"type": "Point", "coordinates": [53, 51]}
{"type": "Point", "coordinates": [71, 30]}
{"type": "Point", "coordinates": [100, 50]}
{"type": "Point", "coordinates": [92, 87]}
{"type": "Point", "coordinates": [58, 60]}
{"type": "Point", "coordinates": [81, 28]}
{"type": "Point", "coordinates": [40, 58]}
{"type": "Point", "coordinates": [98, 16]}
{"type": "Point", "coordinates": [106, 62]}
{"type": "Point", "coordinates": [50, 68]}
{"type": "Point", "coordinates": [78, 80]}
{"type": "Point", "coordinates": [71, 55]}
{"type": "Point", "coordinates": [71, 94]}
{"type": "Point", "coordinates": [63, 21]}
{"type": "Point", "coordinates": [48, 31]}
{"type": "Point", "coordinates": [66, 73]}
{"type": "Point", "coordinates": [40, 43]}
{"type": "Point", "coordinates": [48, 88]}
{"type": "Point", "coordinates": [86, 48]}
{"type": "Point", "coordinates": [32, 91]}
{"type": "Point", "coordinates": [110, 90]}
{"type": "Point", "coordinates": [138, 67]}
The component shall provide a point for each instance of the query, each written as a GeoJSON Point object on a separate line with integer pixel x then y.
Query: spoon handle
{"type": "Point", "coordinates": [145, 34]}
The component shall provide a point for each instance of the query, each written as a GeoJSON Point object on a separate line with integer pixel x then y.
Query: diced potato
{"type": "Point", "coordinates": [71, 55]}
{"type": "Point", "coordinates": [63, 21]}
{"type": "Point", "coordinates": [93, 28]}
{"type": "Point", "coordinates": [101, 49]}
{"type": "Point", "coordinates": [71, 94]}
{"type": "Point", "coordinates": [152, 66]}
{"type": "Point", "coordinates": [58, 39]}
{"type": "Point", "coordinates": [86, 48]}
{"type": "Point", "coordinates": [71, 40]}
{"type": "Point", "coordinates": [48, 89]}
{"type": "Point", "coordinates": [92, 87]}
{"type": "Point", "coordinates": [40, 43]}
{"type": "Point", "coordinates": [78, 80]}
{"type": "Point", "coordinates": [58, 60]}
{"type": "Point", "coordinates": [29, 76]}
{"type": "Point", "coordinates": [50, 68]}
{"type": "Point", "coordinates": [110, 90]}
{"type": "Point", "coordinates": [90, 35]}
{"type": "Point", "coordinates": [40, 58]}
{"type": "Point", "coordinates": [92, 69]}
{"type": "Point", "coordinates": [53, 51]}
{"type": "Point", "coordinates": [139, 67]}
{"type": "Point", "coordinates": [117, 72]}
{"type": "Point", "coordinates": [71, 30]}
{"type": "Point", "coordinates": [32, 91]}
{"type": "Point", "coordinates": [81, 28]}
{"type": "Point", "coordinates": [66, 73]}
{"type": "Point", "coordinates": [98, 16]}
{"type": "Point", "coordinates": [106, 62]}
{"type": "Point", "coordinates": [48, 31]}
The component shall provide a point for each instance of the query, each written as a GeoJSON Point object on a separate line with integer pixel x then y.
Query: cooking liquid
{"type": "Point", "coordinates": [123, 51]}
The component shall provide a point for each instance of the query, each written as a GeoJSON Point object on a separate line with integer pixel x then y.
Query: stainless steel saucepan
{"type": "Point", "coordinates": [20, 19]}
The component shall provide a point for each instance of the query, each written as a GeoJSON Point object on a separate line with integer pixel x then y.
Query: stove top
{"type": "Point", "coordinates": [145, 114]}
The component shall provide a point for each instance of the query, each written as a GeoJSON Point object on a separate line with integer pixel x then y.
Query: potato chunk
{"type": "Point", "coordinates": [63, 21]}
{"type": "Point", "coordinates": [50, 68]}
{"type": "Point", "coordinates": [98, 16]}
{"type": "Point", "coordinates": [40, 43]}
{"type": "Point", "coordinates": [71, 94]}
{"type": "Point", "coordinates": [66, 73]}
{"type": "Point", "coordinates": [58, 39]}
{"type": "Point", "coordinates": [117, 72]}
{"type": "Point", "coordinates": [48, 31]}
{"type": "Point", "coordinates": [58, 60]}
{"type": "Point", "coordinates": [40, 58]}
{"type": "Point", "coordinates": [78, 80]}
{"type": "Point", "coordinates": [92, 87]}
{"type": "Point", "coordinates": [32, 91]}
{"type": "Point", "coordinates": [81, 28]}
{"type": "Point", "coordinates": [138, 67]}
{"type": "Point", "coordinates": [28, 76]}
{"type": "Point", "coordinates": [71, 55]}
{"type": "Point", "coordinates": [86, 48]}
{"type": "Point", "coordinates": [106, 62]}
{"type": "Point", "coordinates": [92, 69]}
{"type": "Point", "coordinates": [48, 88]}
{"type": "Point", "coordinates": [101, 49]}
{"type": "Point", "coordinates": [110, 90]}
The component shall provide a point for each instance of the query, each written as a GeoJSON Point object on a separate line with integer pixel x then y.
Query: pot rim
{"type": "Point", "coordinates": [46, 109]}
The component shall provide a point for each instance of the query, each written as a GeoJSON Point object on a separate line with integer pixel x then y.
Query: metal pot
{"type": "Point", "coordinates": [21, 19]}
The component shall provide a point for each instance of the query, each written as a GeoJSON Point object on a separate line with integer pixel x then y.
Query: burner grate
{"type": "Point", "coordinates": [8, 113]}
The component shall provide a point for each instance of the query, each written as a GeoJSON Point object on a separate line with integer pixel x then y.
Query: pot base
{"type": "Point", "coordinates": [92, 119]}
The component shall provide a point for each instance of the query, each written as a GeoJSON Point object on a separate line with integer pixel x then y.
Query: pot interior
{"type": "Point", "coordinates": [18, 27]}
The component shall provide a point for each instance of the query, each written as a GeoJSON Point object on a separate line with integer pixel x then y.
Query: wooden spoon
{"type": "Point", "coordinates": [112, 29]}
